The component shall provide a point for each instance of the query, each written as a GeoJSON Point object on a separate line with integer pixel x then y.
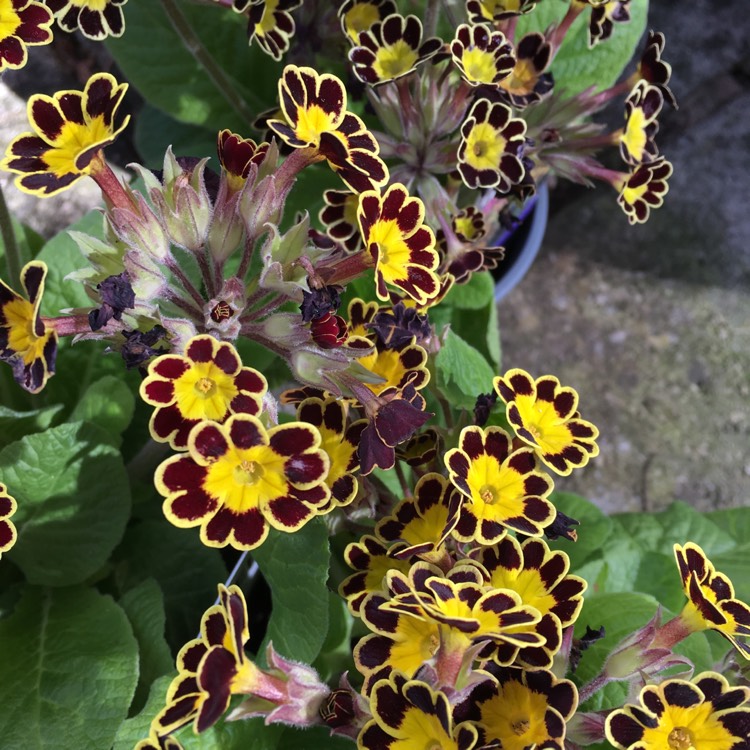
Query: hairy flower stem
{"type": "Point", "coordinates": [590, 688]}
{"type": "Point", "coordinates": [187, 307]}
{"type": "Point", "coordinates": [671, 633]}
{"type": "Point", "coordinates": [72, 325]}
{"type": "Point", "coordinates": [13, 258]}
{"type": "Point", "coordinates": [195, 47]}
{"type": "Point", "coordinates": [346, 269]}
{"type": "Point", "coordinates": [187, 285]}
{"type": "Point", "coordinates": [115, 194]}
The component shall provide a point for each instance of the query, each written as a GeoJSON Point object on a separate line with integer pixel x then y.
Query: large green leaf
{"type": "Point", "coordinates": [463, 373]}
{"type": "Point", "coordinates": [15, 424]}
{"type": "Point", "coordinates": [136, 728]}
{"type": "Point", "coordinates": [735, 521]}
{"type": "Point", "coordinates": [108, 403]}
{"type": "Point", "coordinates": [68, 669]}
{"type": "Point", "coordinates": [73, 502]}
{"type": "Point", "coordinates": [295, 567]}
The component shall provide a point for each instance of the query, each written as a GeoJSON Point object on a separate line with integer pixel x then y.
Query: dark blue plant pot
{"type": "Point", "coordinates": [522, 243]}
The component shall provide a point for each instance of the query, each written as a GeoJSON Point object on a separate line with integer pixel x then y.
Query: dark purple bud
{"type": "Point", "coordinates": [319, 302]}
{"type": "Point", "coordinates": [338, 709]}
{"type": "Point", "coordinates": [139, 347]}
{"type": "Point", "coordinates": [483, 407]}
{"type": "Point", "coordinates": [399, 325]}
{"type": "Point", "coordinates": [581, 644]}
{"type": "Point", "coordinates": [117, 295]}
{"type": "Point", "coordinates": [562, 526]}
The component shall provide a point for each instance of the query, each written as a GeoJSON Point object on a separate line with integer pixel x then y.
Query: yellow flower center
{"type": "Point", "coordinates": [541, 420]}
{"type": "Point", "coordinates": [634, 137]}
{"type": "Point", "coordinates": [522, 79]}
{"type": "Point", "coordinates": [248, 472]}
{"type": "Point", "coordinates": [339, 452]}
{"type": "Point", "coordinates": [495, 489]}
{"type": "Point", "coordinates": [19, 316]}
{"type": "Point", "coordinates": [424, 732]}
{"type": "Point", "coordinates": [682, 728]}
{"type": "Point", "coordinates": [96, 5]}
{"type": "Point", "coordinates": [630, 195]}
{"type": "Point", "coordinates": [679, 739]}
{"type": "Point", "coordinates": [516, 716]}
{"type": "Point", "coordinates": [74, 139]}
{"type": "Point", "coordinates": [416, 641]}
{"type": "Point", "coordinates": [479, 65]}
{"type": "Point", "coordinates": [361, 17]}
{"type": "Point", "coordinates": [465, 226]}
{"type": "Point", "coordinates": [395, 60]}
{"type": "Point", "coordinates": [313, 121]}
{"type": "Point", "coordinates": [9, 19]}
{"type": "Point", "coordinates": [484, 147]}
{"type": "Point", "coordinates": [267, 20]}
{"type": "Point", "coordinates": [204, 392]}
{"type": "Point", "coordinates": [528, 585]}
{"type": "Point", "coordinates": [387, 364]}
{"type": "Point", "coordinates": [490, 7]}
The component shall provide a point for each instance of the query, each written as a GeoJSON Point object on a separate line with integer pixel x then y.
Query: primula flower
{"type": "Point", "coordinates": [360, 15]}
{"type": "Point", "coordinates": [653, 69]}
{"type": "Point", "coordinates": [208, 381]}
{"type": "Point", "coordinates": [26, 343]}
{"type": "Point", "coordinates": [236, 155]}
{"type": "Point", "coordinates": [314, 106]}
{"type": "Point", "coordinates": [523, 709]}
{"type": "Point", "coordinates": [409, 713]}
{"type": "Point", "coordinates": [527, 82]}
{"type": "Point", "coordinates": [642, 108]}
{"type": "Point", "coordinates": [681, 715]}
{"type": "Point", "coordinates": [23, 23]}
{"type": "Point", "coordinates": [270, 22]}
{"type": "Point", "coordinates": [8, 507]}
{"type": "Point", "coordinates": [396, 368]}
{"type": "Point", "coordinates": [544, 415]}
{"type": "Point", "coordinates": [483, 56]}
{"type": "Point", "coordinates": [154, 742]}
{"type": "Point", "coordinates": [481, 11]}
{"type": "Point", "coordinates": [238, 479]}
{"type": "Point", "coordinates": [71, 128]}
{"type": "Point", "coordinates": [402, 246]}
{"type": "Point", "coordinates": [711, 603]}
{"type": "Point", "coordinates": [492, 143]}
{"type": "Point", "coordinates": [390, 49]}
{"type": "Point", "coordinates": [503, 489]}
{"type": "Point", "coordinates": [339, 441]}
{"type": "Point", "coordinates": [96, 19]}
{"type": "Point", "coordinates": [339, 216]}
{"type": "Point", "coordinates": [604, 16]}
{"type": "Point", "coordinates": [643, 189]}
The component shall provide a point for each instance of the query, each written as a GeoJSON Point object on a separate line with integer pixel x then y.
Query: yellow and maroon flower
{"type": "Point", "coordinates": [409, 713]}
{"type": "Point", "coordinates": [360, 15]}
{"type": "Point", "coordinates": [396, 368]}
{"type": "Point", "coordinates": [503, 489]}
{"type": "Point", "coordinates": [270, 22]}
{"type": "Point", "coordinates": [491, 149]}
{"type": "Point", "coordinates": [653, 69]}
{"type": "Point", "coordinates": [402, 246]}
{"type": "Point", "coordinates": [96, 19]}
{"type": "Point", "coordinates": [207, 382]}
{"type": "Point", "coordinates": [314, 106]}
{"type": "Point", "coordinates": [483, 56]}
{"type": "Point", "coordinates": [26, 343]}
{"type": "Point", "coordinates": [544, 415]}
{"type": "Point", "coordinates": [711, 603]}
{"type": "Point", "coordinates": [23, 23]}
{"type": "Point", "coordinates": [482, 11]}
{"type": "Point", "coordinates": [339, 441]}
{"type": "Point", "coordinates": [643, 189]}
{"type": "Point", "coordinates": [390, 49]}
{"type": "Point", "coordinates": [422, 523]}
{"type": "Point", "coordinates": [540, 577]}
{"type": "Point", "coordinates": [528, 81]}
{"type": "Point", "coordinates": [236, 155]}
{"type": "Point", "coordinates": [71, 128]}
{"type": "Point", "coordinates": [523, 709]}
{"type": "Point", "coordinates": [8, 507]}
{"type": "Point", "coordinates": [154, 742]}
{"type": "Point", "coordinates": [238, 479]}
{"type": "Point", "coordinates": [681, 714]}
{"type": "Point", "coordinates": [339, 215]}
{"type": "Point", "coordinates": [604, 16]}
{"type": "Point", "coordinates": [642, 108]}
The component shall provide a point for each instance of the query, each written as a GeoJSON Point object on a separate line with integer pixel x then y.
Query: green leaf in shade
{"type": "Point", "coordinates": [315, 738]}
{"type": "Point", "coordinates": [477, 293]}
{"type": "Point", "coordinates": [683, 523]}
{"type": "Point", "coordinates": [15, 424]}
{"type": "Point", "coordinates": [576, 67]}
{"type": "Point", "coordinates": [735, 521]}
{"type": "Point", "coordinates": [658, 576]}
{"type": "Point", "coordinates": [622, 558]}
{"type": "Point", "coordinates": [187, 571]}
{"type": "Point", "coordinates": [69, 666]}
{"type": "Point", "coordinates": [295, 567]}
{"type": "Point", "coordinates": [735, 564]}
{"type": "Point", "coordinates": [133, 730]}
{"type": "Point", "coordinates": [73, 502]}
{"type": "Point", "coordinates": [250, 734]}
{"type": "Point", "coordinates": [463, 373]}
{"type": "Point", "coordinates": [335, 656]}
{"type": "Point", "coordinates": [28, 243]}
{"type": "Point", "coordinates": [644, 528]}
{"type": "Point", "coordinates": [144, 606]}
{"type": "Point", "coordinates": [154, 58]}
{"type": "Point", "coordinates": [108, 403]}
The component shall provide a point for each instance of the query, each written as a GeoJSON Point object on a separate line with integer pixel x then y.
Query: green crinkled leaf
{"type": "Point", "coordinates": [657, 575]}
{"type": "Point", "coordinates": [134, 729]}
{"type": "Point", "coordinates": [622, 558]}
{"type": "Point", "coordinates": [295, 567]}
{"type": "Point", "coordinates": [577, 67]}
{"type": "Point", "coordinates": [249, 734]}
{"type": "Point", "coordinates": [108, 403]}
{"type": "Point", "coordinates": [73, 502]}
{"type": "Point", "coordinates": [154, 58]}
{"type": "Point", "coordinates": [69, 665]}
{"type": "Point", "coordinates": [15, 424]}
{"type": "Point", "coordinates": [144, 606]}
{"type": "Point", "coordinates": [187, 571]}
{"type": "Point", "coordinates": [476, 294]}
{"type": "Point", "coordinates": [735, 521]}
{"type": "Point", "coordinates": [463, 373]}
{"type": "Point", "coordinates": [735, 563]}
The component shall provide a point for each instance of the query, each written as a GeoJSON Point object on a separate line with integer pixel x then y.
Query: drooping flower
{"type": "Point", "coordinates": [401, 245]}
{"type": "Point", "coordinates": [503, 489]}
{"type": "Point", "coordinates": [491, 149]}
{"type": "Point", "coordinates": [208, 381]}
{"type": "Point", "coordinates": [95, 19]}
{"type": "Point", "coordinates": [483, 56]}
{"type": "Point", "coordinates": [544, 415]}
{"type": "Point", "coordinates": [604, 16]}
{"type": "Point", "coordinates": [653, 69]}
{"type": "Point", "coordinates": [270, 22]}
{"type": "Point", "coordinates": [71, 128]}
{"type": "Point", "coordinates": [339, 216]}
{"type": "Point", "coordinates": [360, 15]}
{"type": "Point", "coordinates": [314, 106]}
{"type": "Point", "coordinates": [528, 82]}
{"type": "Point", "coordinates": [681, 714]}
{"type": "Point", "coordinates": [711, 602]}
{"type": "Point", "coordinates": [8, 507]}
{"type": "Point", "coordinates": [27, 344]}
{"type": "Point", "coordinates": [239, 478]}
{"type": "Point", "coordinates": [391, 49]}
{"type": "Point", "coordinates": [409, 713]}
{"type": "Point", "coordinates": [236, 155]}
{"type": "Point", "coordinates": [23, 23]}
{"type": "Point", "coordinates": [642, 108]}
{"type": "Point", "coordinates": [643, 189]}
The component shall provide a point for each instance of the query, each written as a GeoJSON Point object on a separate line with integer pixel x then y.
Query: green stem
{"type": "Point", "coordinates": [215, 72]}
{"type": "Point", "coordinates": [13, 260]}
